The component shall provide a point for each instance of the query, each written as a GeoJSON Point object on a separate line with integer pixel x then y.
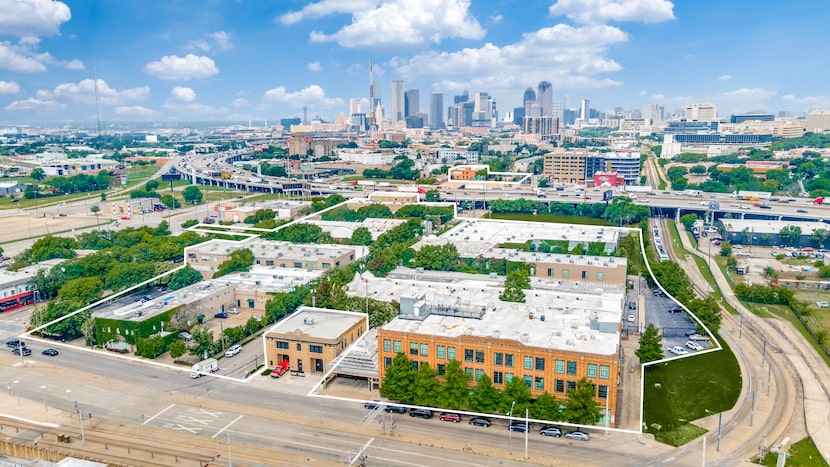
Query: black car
{"type": "Point", "coordinates": [221, 315]}
{"type": "Point", "coordinates": [517, 426]}
{"type": "Point", "coordinates": [556, 432]}
{"type": "Point", "coordinates": [675, 309]}
{"type": "Point", "coordinates": [423, 413]}
{"type": "Point", "coordinates": [15, 343]}
{"type": "Point", "coordinates": [26, 351]}
{"type": "Point", "coordinates": [50, 352]}
{"type": "Point", "coordinates": [370, 405]}
{"type": "Point", "coordinates": [395, 409]}
{"type": "Point", "coordinates": [690, 332]}
{"type": "Point", "coordinates": [480, 421]}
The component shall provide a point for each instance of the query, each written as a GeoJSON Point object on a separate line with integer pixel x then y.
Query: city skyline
{"type": "Point", "coordinates": [157, 61]}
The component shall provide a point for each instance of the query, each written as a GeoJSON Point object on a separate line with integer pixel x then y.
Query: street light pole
{"type": "Point", "coordinates": [509, 430]}
{"type": "Point", "coordinates": [43, 389]}
{"type": "Point", "coordinates": [69, 398]}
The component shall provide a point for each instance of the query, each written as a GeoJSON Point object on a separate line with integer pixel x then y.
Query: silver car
{"type": "Point", "coordinates": [577, 435]}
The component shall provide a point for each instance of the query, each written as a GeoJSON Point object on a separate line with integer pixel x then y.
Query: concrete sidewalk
{"type": "Point", "coordinates": [813, 373]}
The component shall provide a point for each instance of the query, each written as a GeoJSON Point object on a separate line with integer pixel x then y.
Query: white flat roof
{"type": "Point", "coordinates": [568, 308]}
{"type": "Point", "coordinates": [319, 323]}
{"type": "Point", "coordinates": [138, 311]}
{"type": "Point", "coordinates": [343, 229]}
{"type": "Point", "coordinates": [770, 226]}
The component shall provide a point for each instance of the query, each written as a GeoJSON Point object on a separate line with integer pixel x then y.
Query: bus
{"type": "Point", "coordinates": [17, 301]}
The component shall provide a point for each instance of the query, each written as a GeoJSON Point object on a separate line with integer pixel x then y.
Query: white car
{"type": "Point", "coordinates": [234, 311]}
{"type": "Point", "coordinates": [743, 253]}
{"type": "Point", "coordinates": [631, 318]}
{"type": "Point", "coordinates": [744, 206]}
{"type": "Point", "coordinates": [233, 350]}
{"type": "Point", "coordinates": [694, 345]}
{"type": "Point", "coordinates": [677, 350]}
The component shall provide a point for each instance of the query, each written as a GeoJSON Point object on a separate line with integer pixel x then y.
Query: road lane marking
{"type": "Point", "coordinates": [161, 412]}
{"type": "Point", "coordinates": [226, 426]}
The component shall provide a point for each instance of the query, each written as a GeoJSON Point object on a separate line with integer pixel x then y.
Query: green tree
{"type": "Point", "coordinates": [433, 196]}
{"type": "Point", "coordinates": [651, 345]}
{"type": "Point", "coordinates": [726, 249]}
{"type": "Point", "coordinates": [38, 174]}
{"type": "Point", "coordinates": [437, 257]}
{"type": "Point", "coordinates": [170, 201]}
{"type": "Point", "coordinates": [162, 230]}
{"type": "Point", "coordinates": [398, 380]}
{"type": "Point", "coordinates": [151, 185]}
{"type": "Point", "coordinates": [454, 393]}
{"type": "Point", "coordinates": [581, 407]}
{"type": "Point", "coordinates": [177, 348]}
{"type": "Point", "coordinates": [789, 234]}
{"type": "Point", "coordinates": [95, 209]}
{"type": "Point", "coordinates": [688, 220]}
{"type": "Point", "coordinates": [708, 311]}
{"type": "Point", "coordinates": [546, 407]}
{"type": "Point", "coordinates": [820, 236]}
{"type": "Point", "coordinates": [485, 397]}
{"type": "Point", "coordinates": [192, 194]}
{"type": "Point", "coordinates": [81, 290]}
{"type": "Point", "coordinates": [234, 334]}
{"type": "Point", "coordinates": [515, 390]}
{"type": "Point", "coordinates": [697, 169]}
{"type": "Point", "coordinates": [53, 247]}
{"type": "Point", "coordinates": [361, 236]}
{"type": "Point", "coordinates": [150, 347]}
{"type": "Point", "coordinates": [515, 283]}
{"type": "Point", "coordinates": [184, 277]}
{"type": "Point", "coordinates": [425, 387]}
{"type": "Point", "coordinates": [203, 342]}
{"type": "Point", "coordinates": [240, 260]}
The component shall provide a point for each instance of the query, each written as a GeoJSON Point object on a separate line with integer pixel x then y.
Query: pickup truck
{"type": "Point", "coordinates": [281, 369]}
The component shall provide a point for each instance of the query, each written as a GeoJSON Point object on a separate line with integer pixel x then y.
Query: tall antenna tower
{"type": "Point", "coordinates": [97, 100]}
{"type": "Point", "coordinates": [371, 95]}
{"type": "Point", "coordinates": [305, 115]}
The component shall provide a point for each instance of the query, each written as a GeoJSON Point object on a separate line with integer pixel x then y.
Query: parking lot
{"type": "Point", "coordinates": [672, 326]}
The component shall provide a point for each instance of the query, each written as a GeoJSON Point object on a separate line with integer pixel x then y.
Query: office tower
{"type": "Point", "coordinates": [545, 97]}
{"type": "Point", "coordinates": [354, 106]}
{"type": "Point", "coordinates": [585, 110]}
{"type": "Point", "coordinates": [397, 107]}
{"type": "Point", "coordinates": [436, 111]}
{"type": "Point", "coordinates": [412, 104]}
{"type": "Point", "coordinates": [529, 96]}
{"type": "Point", "coordinates": [482, 110]}
{"type": "Point", "coordinates": [518, 115]}
{"type": "Point", "coordinates": [702, 112]}
{"type": "Point", "coordinates": [566, 101]}
{"type": "Point", "coordinates": [461, 98]}
{"type": "Point", "coordinates": [557, 111]}
{"type": "Point", "coordinates": [461, 114]}
{"type": "Point", "coordinates": [653, 113]}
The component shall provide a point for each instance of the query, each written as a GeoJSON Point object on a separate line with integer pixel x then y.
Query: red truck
{"type": "Point", "coordinates": [281, 369]}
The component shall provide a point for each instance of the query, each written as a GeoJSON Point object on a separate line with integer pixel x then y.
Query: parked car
{"type": "Point", "coordinates": [480, 421]}
{"type": "Point", "coordinates": [631, 318]}
{"type": "Point", "coordinates": [423, 413]}
{"type": "Point", "coordinates": [632, 305]}
{"type": "Point", "coordinates": [698, 337]}
{"type": "Point", "coordinates": [801, 211]}
{"type": "Point", "coordinates": [184, 335]}
{"type": "Point", "coordinates": [692, 345]}
{"type": "Point", "coordinates": [578, 435]}
{"type": "Point", "coordinates": [517, 426]}
{"type": "Point", "coordinates": [690, 332]}
{"type": "Point", "coordinates": [675, 309]}
{"type": "Point", "coordinates": [371, 405]}
{"type": "Point", "coordinates": [234, 311]}
{"type": "Point", "coordinates": [233, 350]}
{"type": "Point", "coordinates": [26, 351]}
{"type": "Point", "coordinates": [50, 352]}
{"type": "Point", "coordinates": [15, 343]}
{"type": "Point", "coordinates": [554, 431]}
{"type": "Point", "coordinates": [677, 350]}
{"type": "Point", "coordinates": [449, 417]}
{"type": "Point", "coordinates": [395, 409]}
{"type": "Point", "coordinates": [221, 315]}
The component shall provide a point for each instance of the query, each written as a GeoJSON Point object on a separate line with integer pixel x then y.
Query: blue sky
{"type": "Point", "coordinates": [186, 60]}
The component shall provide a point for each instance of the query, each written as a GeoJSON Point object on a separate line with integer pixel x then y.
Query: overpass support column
{"type": "Point", "coordinates": [780, 217]}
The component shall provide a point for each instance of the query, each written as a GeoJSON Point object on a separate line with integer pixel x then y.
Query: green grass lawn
{"type": "Point", "coordinates": [803, 454]}
{"type": "Point", "coordinates": [683, 390]}
{"type": "Point", "coordinates": [784, 312]}
{"type": "Point", "coordinates": [518, 216]}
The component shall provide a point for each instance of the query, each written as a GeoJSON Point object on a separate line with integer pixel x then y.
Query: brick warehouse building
{"type": "Point", "coordinates": [553, 340]}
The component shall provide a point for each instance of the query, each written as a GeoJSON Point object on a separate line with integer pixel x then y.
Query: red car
{"type": "Point", "coordinates": [450, 417]}
{"type": "Point", "coordinates": [281, 369]}
{"type": "Point", "coordinates": [125, 218]}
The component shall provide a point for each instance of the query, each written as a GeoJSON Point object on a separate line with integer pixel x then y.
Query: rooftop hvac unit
{"type": "Point", "coordinates": [308, 321]}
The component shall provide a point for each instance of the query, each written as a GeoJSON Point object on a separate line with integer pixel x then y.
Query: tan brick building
{"type": "Point", "coordinates": [312, 337]}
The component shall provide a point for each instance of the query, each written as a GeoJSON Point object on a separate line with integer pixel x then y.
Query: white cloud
{"type": "Point", "coordinates": [9, 87]}
{"type": "Point", "coordinates": [569, 56]}
{"type": "Point", "coordinates": [183, 94]}
{"type": "Point", "coordinates": [314, 66]}
{"type": "Point", "coordinates": [21, 59]}
{"type": "Point", "coordinates": [805, 102]}
{"type": "Point", "coordinates": [84, 91]}
{"type": "Point", "coordinates": [135, 110]}
{"type": "Point", "coordinates": [32, 18]}
{"type": "Point", "coordinates": [219, 40]}
{"type": "Point", "coordinates": [34, 104]}
{"type": "Point", "coordinates": [325, 8]}
{"type": "Point", "coordinates": [643, 93]}
{"type": "Point", "coordinates": [403, 22]}
{"type": "Point", "coordinates": [239, 102]}
{"type": "Point", "coordinates": [191, 66]}
{"type": "Point", "coordinates": [496, 19]}
{"type": "Point", "coordinates": [724, 77]}
{"type": "Point", "coordinates": [194, 109]}
{"type": "Point", "coordinates": [600, 11]}
{"type": "Point", "coordinates": [74, 65]}
{"type": "Point", "coordinates": [748, 94]}
{"type": "Point", "coordinates": [312, 96]}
